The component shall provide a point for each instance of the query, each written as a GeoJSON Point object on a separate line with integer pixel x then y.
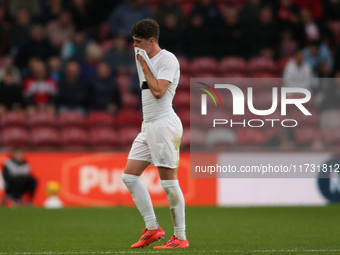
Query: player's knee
{"type": "Point", "coordinates": [127, 178]}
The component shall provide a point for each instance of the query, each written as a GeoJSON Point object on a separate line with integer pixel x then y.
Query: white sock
{"type": "Point", "coordinates": [142, 199]}
{"type": "Point", "coordinates": [177, 206]}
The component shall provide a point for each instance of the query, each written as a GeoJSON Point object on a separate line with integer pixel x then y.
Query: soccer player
{"type": "Point", "coordinates": [159, 140]}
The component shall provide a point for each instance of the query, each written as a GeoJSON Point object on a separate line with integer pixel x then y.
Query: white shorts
{"type": "Point", "coordinates": [159, 142]}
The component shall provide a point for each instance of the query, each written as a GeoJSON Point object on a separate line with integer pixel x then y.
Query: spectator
{"type": "Point", "coordinates": [324, 70]}
{"type": "Point", "coordinates": [58, 31]}
{"type": "Point", "coordinates": [51, 10]}
{"type": "Point", "coordinates": [75, 48]}
{"type": "Point", "coordinates": [288, 44]}
{"type": "Point", "coordinates": [127, 14]}
{"type": "Point", "coordinates": [81, 14]}
{"type": "Point", "coordinates": [18, 177]}
{"type": "Point", "coordinates": [314, 6]}
{"type": "Point", "coordinates": [331, 9]}
{"type": "Point", "coordinates": [36, 46]}
{"type": "Point", "coordinates": [287, 13]}
{"type": "Point", "coordinates": [198, 32]}
{"type": "Point", "coordinates": [4, 30]}
{"type": "Point", "coordinates": [32, 6]}
{"type": "Point", "coordinates": [316, 53]}
{"type": "Point", "coordinates": [94, 54]}
{"type": "Point", "coordinates": [250, 12]}
{"type": "Point", "coordinates": [54, 66]}
{"type": "Point", "coordinates": [119, 56]}
{"type": "Point", "coordinates": [7, 66]}
{"type": "Point", "coordinates": [171, 37]}
{"type": "Point", "coordinates": [209, 12]}
{"type": "Point", "coordinates": [73, 91]}
{"type": "Point", "coordinates": [104, 91]}
{"type": "Point", "coordinates": [40, 90]}
{"type": "Point", "coordinates": [10, 93]}
{"type": "Point", "coordinates": [19, 31]}
{"type": "Point", "coordinates": [229, 36]}
{"type": "Point", "coordinates": [170, 7]}
{"type": "Point", "coordinates": [264, 36]}
{"type": "Point", "coordinates": [314, 30]}
{"type": "Point", "coordinates": [298, 72]}
{"type": "Point", "coordinates": [283, 140]}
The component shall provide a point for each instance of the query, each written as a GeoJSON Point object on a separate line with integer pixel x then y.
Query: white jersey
{"type": "Point", "coordinates": [167, 68]}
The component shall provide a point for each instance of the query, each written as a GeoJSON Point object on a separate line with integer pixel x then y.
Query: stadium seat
{"type": "Point", "coordinates": [203, 64]}
{"type": "Point", "coordinates": [261, 64]}
{"type": "Point", "coordinates": [197, 138]}
{"type": "Point", "coordinates": [263, 100]}
{"type": "Point", "coordinates": [184, 82]}
{"type": "Point", "coordinates": [42, 119]}
{"type": "Point", "coordinates": [332, 137]}
{"type": "Point", "coordinates": [45, 137]}
{"type": "Point", "coordinates": [329, 120]}
{"type": "Point", "coordinates": [124, 82]}
{"type": "Point", "coordinates": [74, 138]}
{"type": "Point", "coordinates": [231, 65]}
{"type": "Point", "coordinates": [207, 75]}
{"type": "Point", "coordinates": [182, 100]}
{"type": "Point", "coordinates": [214, 113]}
{"type": "Point", "coordinates": [71, 119]}
{"type": "Point", "coordinates": [184, 66]}
{"type": "Point", "coordinates": [15, 137]}
{"type": "Point", "coordinates": [304, 120]}
{"type": "Point", "coordinates": [101, 119]}
{"type": "Point", "coordinates": [129, 117]}
{"type": "Point", "coordinates": [127, 135]}
{"type": "Point", "coordinates": [130, 100]}
{"type": "Point", "coordinates": [220, 137]}
{"type": "Point", "coordinates": [103, 138]}
{"type": "Point", "coordinates": [188, 117]}
{"type": "Point", "coordinates": [251, 136]}
{"type": "Point", "coordinates": [281, 63]}
{"type": "Point", "coordinates": [13, 119]}
{"type": "Point", "coordinates": [306, 135]}
{"type": "Point", "coordinates": [264, 81]}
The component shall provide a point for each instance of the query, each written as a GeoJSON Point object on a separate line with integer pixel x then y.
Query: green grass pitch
{"type": "Point", "coordinates": [254, 230]}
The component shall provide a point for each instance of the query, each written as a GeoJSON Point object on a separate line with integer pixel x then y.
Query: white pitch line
{"type": "Point", "coordinates": [163, 251]}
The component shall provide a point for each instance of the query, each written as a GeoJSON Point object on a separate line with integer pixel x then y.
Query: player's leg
{"type": "Point", "coordinates": [164, 147]}
{"type": "Point", "coordinates": [139, 158]}
{"type": "Point", "coordinates": [139, 193]}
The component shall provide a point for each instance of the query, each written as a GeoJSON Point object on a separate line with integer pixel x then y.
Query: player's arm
{"type": "Point", "coordinates": [157, 87]}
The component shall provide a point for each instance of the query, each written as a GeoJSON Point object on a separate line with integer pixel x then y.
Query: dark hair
{"type": "Point", "coordinates": [315, 43]}
{"type": "Point", "coordinates": [146, 29]}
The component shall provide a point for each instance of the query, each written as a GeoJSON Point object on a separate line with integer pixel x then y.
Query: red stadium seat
{"type": "Point", "coordinates": [207, 75]}
{"type": "Point", "coordinates": [220, 138]}
{"type": "Point", "coordinates": [15, 137]}
{"type": "Point", "coordinates": [130, 100]}
{"type": "Point", "coordinates": [124, 82]}
{"type": "Point", "coordinates": [129, 117]}
{"type": "Point", "coordinates": [261, 64]}
{"type": "Point", "coordinates": [231, 65]}
{"type": "Point", "coordinates": [263, 100]}
{"type": "Point", "coordinates": [306, 135]}
{"type": "Point", "coordinates": [42, 119]}
{"type": "Point", "coordinates": [251, 136]}
{"type": "Point", "coordinates": [215, 113]}
{"type": "Point", "coordinates": [184, 65]}
{"type": "Point", "coordinates": [71, 119]}
{"type": "Point", "coordinates": [189, 117]}
{"type": "Point", "coordinates": [101, 119]}
{"type": "Point", "coordinates": [332, 137]}
{"type": "Point", "coordinates": [103, 138]}
{"type": "Point", "coordinates": [74, 138]}
{"type": "Point", "coordinates": [194, 137]}
{"type": "Point", "coordinates": [45, 137]}
{"type": "Point", "coordinates": [127, 135]}
{"type": "Point", "coordinates": [13, 119]}
{"type": "Point", "coordinates": [304, 120]}
{"type": "Point", "coordinates": [184, 82]}
{"type": "Point", "coordinates": [262, 81]}
{"type": "Point", "coordinates": [203, 64]}
{"type": "Point", "coordinates": [182, 99]}
{"type": "Point", "coordinates": [281, 63]}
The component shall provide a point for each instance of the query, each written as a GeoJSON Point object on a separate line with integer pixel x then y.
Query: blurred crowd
{"type": "Point", "coordinates": [58, 55]}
